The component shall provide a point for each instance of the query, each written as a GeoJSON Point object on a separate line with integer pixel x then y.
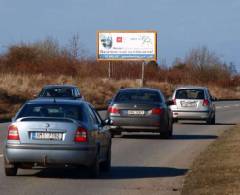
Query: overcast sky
{"type": "Point", "coordinates": [181, 24]}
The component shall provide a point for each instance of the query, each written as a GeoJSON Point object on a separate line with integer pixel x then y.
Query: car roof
{"type": "Point", "coordinates": [56, 101]}
{"type": "Point", "coordinates": [139, 89]}
{"type": "Point", "coordinates": [191, 87]}
{"type": "Point", "coordinates": [59, 86]}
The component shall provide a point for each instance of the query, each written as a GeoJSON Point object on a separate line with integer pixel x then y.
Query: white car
{"type": "Point", "coordinates": [193, 103]}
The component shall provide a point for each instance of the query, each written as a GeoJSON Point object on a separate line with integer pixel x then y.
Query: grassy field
{"type": "Point", "coordinates": [15, 89]}
{"type": "Point", "coordinates": [217, 170]}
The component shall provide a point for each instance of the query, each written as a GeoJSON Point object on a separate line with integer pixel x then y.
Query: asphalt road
{"type": "Point", "coordinates": [141, 163]}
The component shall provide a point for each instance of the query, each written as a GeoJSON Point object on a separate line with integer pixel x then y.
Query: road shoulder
{"type": "Point", "coordinates": [217, 169]}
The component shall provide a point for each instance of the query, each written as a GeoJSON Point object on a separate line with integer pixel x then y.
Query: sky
{"type": "Point", "coordinates": [181, 24]}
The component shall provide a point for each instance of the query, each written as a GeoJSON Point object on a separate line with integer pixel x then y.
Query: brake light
{"type": "Point", "coordinates": [113, 110]}
{"type": "Point", "coordinates": [205, 102]}
{"type": "Point", "coordinates": [81, 135]}
{"type": "Point", "coordinates": [157, 111]}
{"type": "Point", "coordinates": [13, 133]}
{"type": "Point", "coordinates": [174, 101]}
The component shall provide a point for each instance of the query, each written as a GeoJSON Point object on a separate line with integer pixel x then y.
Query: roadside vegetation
{"type": "Point", "coordinates": [217, 170]}
{"type": "Point", "coordinates": [26, 68]}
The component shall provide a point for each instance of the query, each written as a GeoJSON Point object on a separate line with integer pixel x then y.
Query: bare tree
{"type": "Point", "coordinates": [201, 58]}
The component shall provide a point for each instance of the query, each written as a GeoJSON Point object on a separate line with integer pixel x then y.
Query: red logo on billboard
{"type": "Point", "coordinates": [119, 39]}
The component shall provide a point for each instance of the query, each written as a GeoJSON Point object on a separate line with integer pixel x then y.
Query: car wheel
{"type": "Point", "coordinates": [10, 171]}
{"type": "Point", "coordinates": [106, 165]}
{"type": "Point", "coordinates": [170, 129]}
{"type": "Point", "coordinates": [213, 121]}
{"type": "Point", "coordinates": [175, 120]}
{"type": "Point", "coordinates": [95, 168]}
{"type": "Point", "coordinates": [116, 133]}
{"type": "Point", "coordinates": [167, 134]}
{"type": "Point", "coordinates": [208, 121]}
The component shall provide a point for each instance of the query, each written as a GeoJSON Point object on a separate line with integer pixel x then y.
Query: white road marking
{"type": "Point", "coordinates": [1, 155]}
{"type": "Point", "coordinates": [226, 106]}
{"type": "Point", "coordinates": [218, 107]}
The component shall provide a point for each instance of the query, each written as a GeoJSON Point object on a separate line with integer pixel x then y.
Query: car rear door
{"type": "Point", "coordinates": [190, 99]}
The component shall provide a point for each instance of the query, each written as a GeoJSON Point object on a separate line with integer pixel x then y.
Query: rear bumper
{"type": "Point", "coordinates": [50, 154]}
{"type": "Point", "coordinates": [117, 129]}
{"type": "Point", "coordinates": [136, 124]}
{"type": "Point", "coordinates": [191, 115]}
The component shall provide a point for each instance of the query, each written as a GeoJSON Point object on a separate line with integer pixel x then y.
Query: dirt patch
{"type": "Point", "coordinates": [216, 170]}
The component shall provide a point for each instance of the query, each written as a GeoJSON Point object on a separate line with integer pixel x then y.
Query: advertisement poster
{"type": "Point", "coordinates": [127, 45]}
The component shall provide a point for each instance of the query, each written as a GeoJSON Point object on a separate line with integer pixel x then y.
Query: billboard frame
{"type": "Point", "coordinates": [126, 31]}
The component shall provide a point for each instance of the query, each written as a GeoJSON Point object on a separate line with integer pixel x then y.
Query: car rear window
{"type": "Point", "coordinates": [189, 94]}
{"type": "Point", "coordinates": [56, 92]}
{"type": "Point", "coordinates": [126, 96]}
{"type": "Point", "coordinates": [54, 110]}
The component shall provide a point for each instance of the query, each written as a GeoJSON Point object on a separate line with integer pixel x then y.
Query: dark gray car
{"type": "Point", "coordinates": [140, 110]}
{"type": "Point", "coordinates": [50, 133]}
{"type": "Point", "coordinates": [61, 91]}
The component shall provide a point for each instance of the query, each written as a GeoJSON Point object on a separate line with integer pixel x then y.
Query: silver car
{"type": "Point", "coordinates": [193, 103]}
{"type": "Point", "coordinates": [52, 133]}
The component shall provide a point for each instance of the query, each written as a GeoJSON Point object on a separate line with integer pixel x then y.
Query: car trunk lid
{"type": "Point", "coordinates": [46, 131]}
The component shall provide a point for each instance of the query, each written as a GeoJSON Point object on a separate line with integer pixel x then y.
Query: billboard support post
{"type": "Point", "coordinates": [142, 79]}
{"type": "Point", "coordinates": [109, 70]}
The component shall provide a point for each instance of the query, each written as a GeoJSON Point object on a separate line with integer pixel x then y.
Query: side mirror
{"type": "Point", "coordinates": [170, 102]}
{"type": "Point", "coordinates": [213, 98]}
{"type": "Point", "coordinates": [108, 102]}
{"type": "Point", "coordinates": [35, 95]}
{"type": "Point", "coordinates": [13, 119]}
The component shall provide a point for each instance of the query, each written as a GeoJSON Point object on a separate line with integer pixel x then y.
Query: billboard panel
{"type": "Point", "coordinates": [127, 45]}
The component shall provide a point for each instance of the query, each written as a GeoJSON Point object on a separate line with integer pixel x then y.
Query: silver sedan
{"type": "Point", "coordinates": [49, 133]}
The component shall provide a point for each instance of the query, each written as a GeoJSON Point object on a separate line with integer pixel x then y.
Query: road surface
{"type": "Point", "coordinates": [141, 163]}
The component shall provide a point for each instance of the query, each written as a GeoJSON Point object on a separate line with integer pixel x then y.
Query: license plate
{"type": "Point", "coordinates": [188, 104]}
{"type": "Point", "coordinates": [136, 112]}
{"type": "Point", "coordinates": [46, 136]}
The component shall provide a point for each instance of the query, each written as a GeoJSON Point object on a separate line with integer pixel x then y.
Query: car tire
{"type": "Point", "coordinates": [175, 120]}
{"type": "Point", "coordinates": [116, 133]}
{"type": "Point", "coordinates": [208, 121]}
{"type": "Point", "coordinates": [213, 120]}
{"type": "Point", "coordinates": [167, 134]}
{"type": "Point", "coordinates": [10, 171]}
{"type": "Point", "coordinates": [95, 168]}
{"type": "Point", "coordinates": [106, 165]}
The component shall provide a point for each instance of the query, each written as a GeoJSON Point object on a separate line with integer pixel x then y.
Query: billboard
{"type": "Point", "coordinates": [127, 45]}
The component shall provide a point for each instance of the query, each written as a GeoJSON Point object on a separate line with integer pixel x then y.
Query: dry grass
{"type": "Point", "coordinates": [17, 88]}
{"type": "Point", "coordinates": [217, 170]}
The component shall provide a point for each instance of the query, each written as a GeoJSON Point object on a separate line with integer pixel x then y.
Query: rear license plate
{"type": "Point", "coordinates": [136, 112]}
{"type": "Point", "coordinates": [188, 104]}
{"type": "Point", "coordinates": [46, 136]}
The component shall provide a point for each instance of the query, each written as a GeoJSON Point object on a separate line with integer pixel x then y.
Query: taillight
{"type": "Point", "coordinates": [174, 101]}
{"type": "Point", "coordinates": [13, 133]}
{"type": "Point", "coordinates": [157, 111]}
{"type": "Point", "coordinates": [205, 102]}
{"type": "Point", "coordinates": [81, 135]}
{"type": "Point", "coordinates": [112, 109]}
